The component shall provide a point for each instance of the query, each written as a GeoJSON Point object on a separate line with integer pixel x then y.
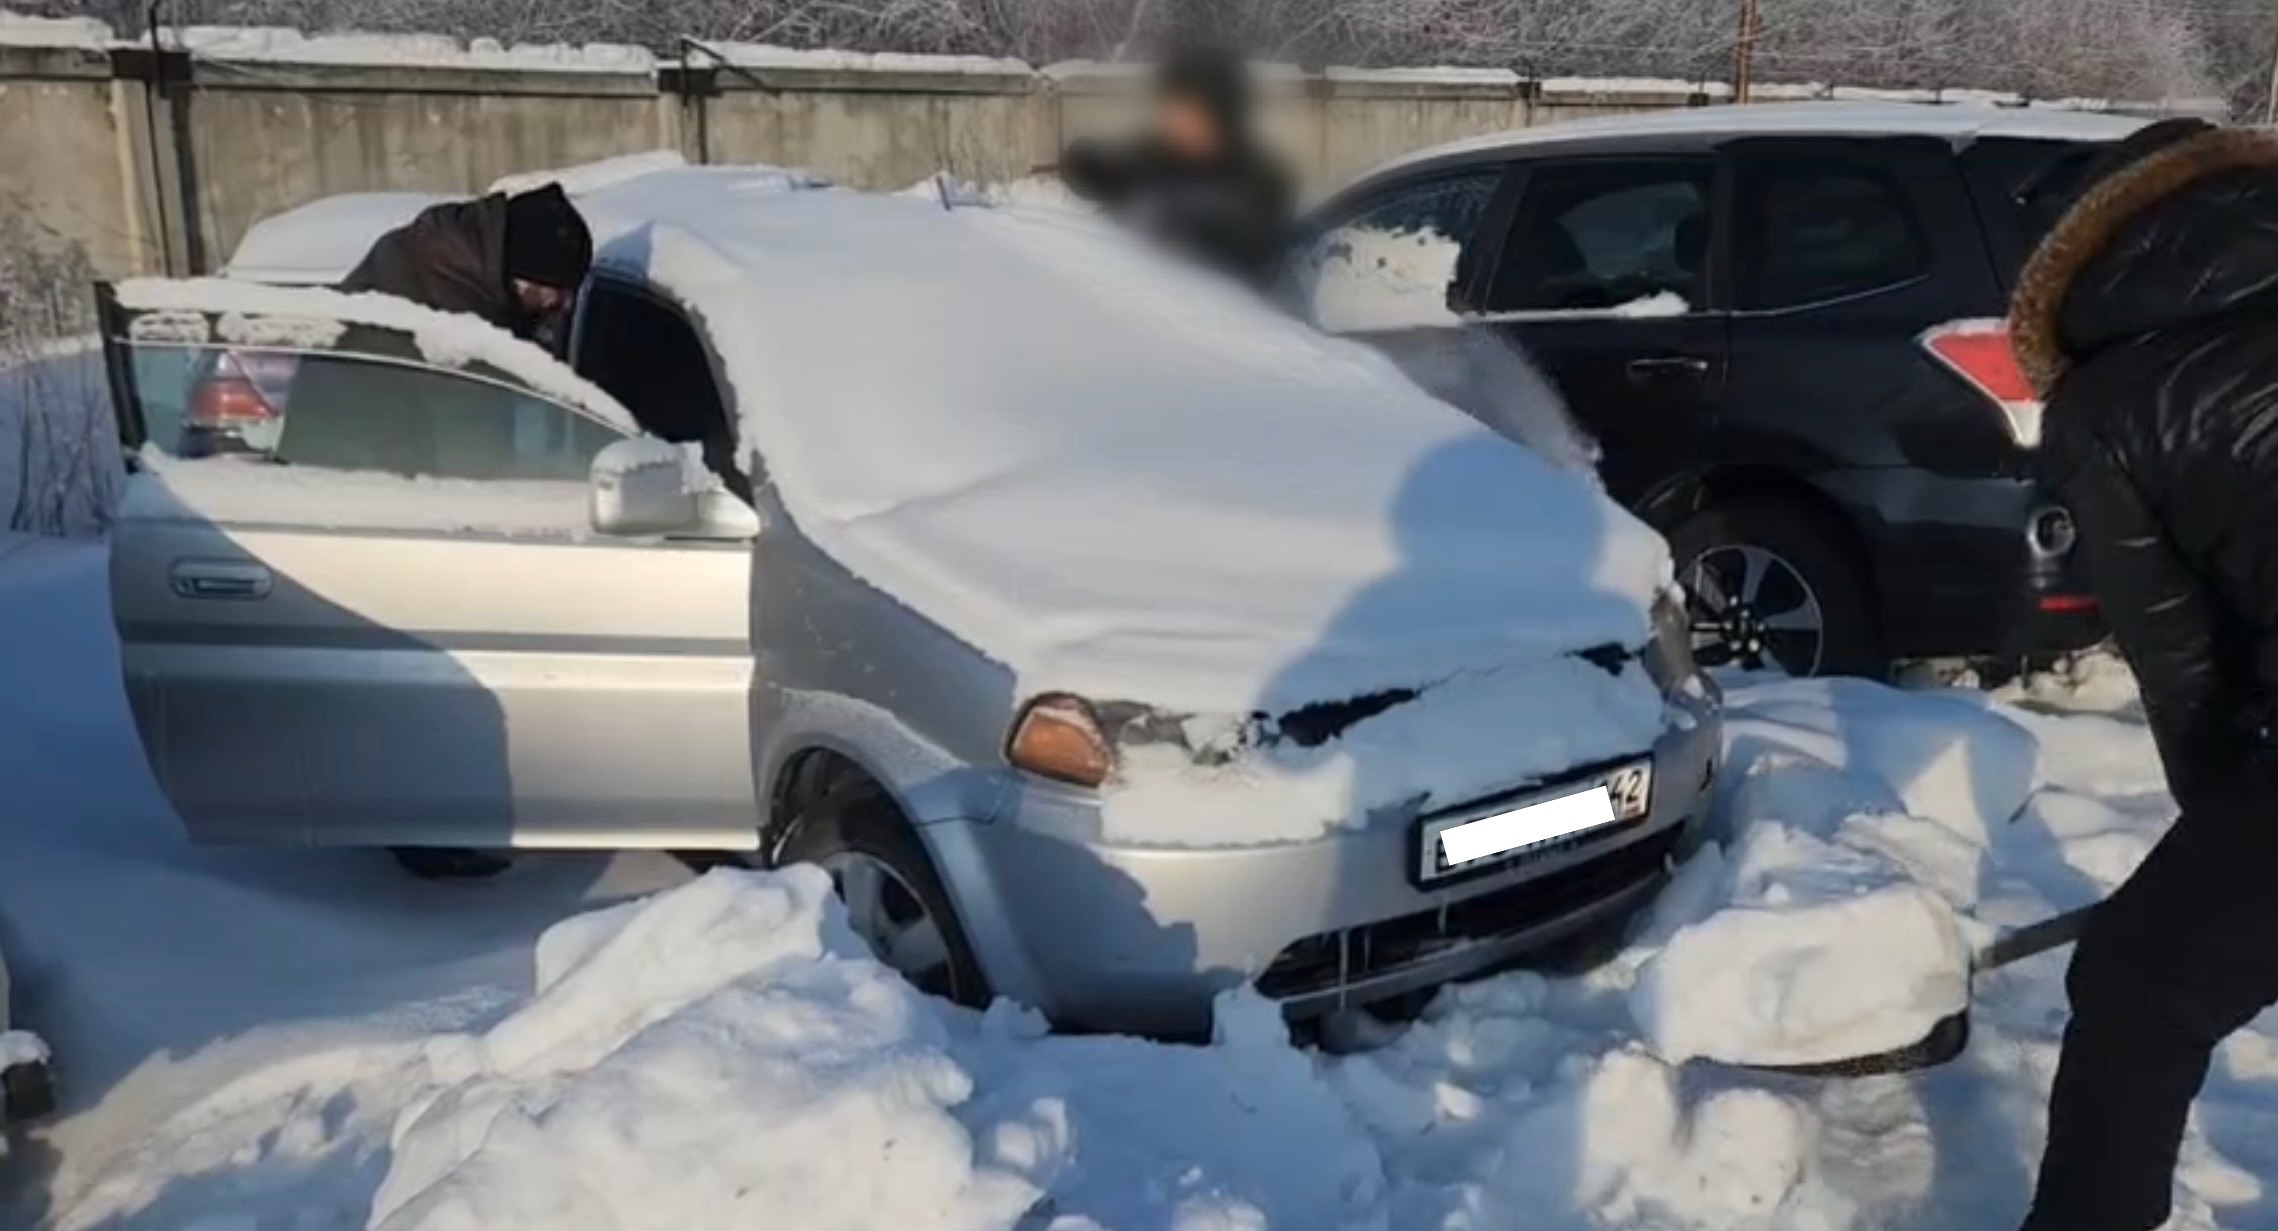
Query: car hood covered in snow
{"type": "Point", "coordinates": [1115, 475]}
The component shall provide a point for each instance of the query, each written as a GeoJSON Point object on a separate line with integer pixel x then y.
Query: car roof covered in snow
{"type": "Point", "coordinates": [1701, 126]}
{"type": "Point", "coordinates": [1114, 473]}
{"type": "Point", "coordinates": [1110, 472]}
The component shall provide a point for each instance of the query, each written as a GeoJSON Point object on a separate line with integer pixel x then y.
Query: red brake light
{"type": "Point", "coordinates": [227, 397]}
{"type": "Point", "coordinates": [1978, 351]}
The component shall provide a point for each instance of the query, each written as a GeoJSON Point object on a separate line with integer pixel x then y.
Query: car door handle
{"type": "Point", "coordinates": [1662, 366]}
{"type": "Point", "coordinates": [240, 580]}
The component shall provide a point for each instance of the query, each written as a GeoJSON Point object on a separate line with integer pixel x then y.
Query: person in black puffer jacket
{"type": "Point", "coordinates": [2149, 319]}
{"type": "Point", "coordinates": [1199, 182]}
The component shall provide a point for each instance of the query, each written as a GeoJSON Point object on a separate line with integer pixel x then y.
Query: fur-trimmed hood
{"type": "Point", "coordinates": [2187, 234]}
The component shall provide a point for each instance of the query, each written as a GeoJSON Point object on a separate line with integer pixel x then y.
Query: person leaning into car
{"type": "Point", "coordinates": [2149, 320]}
{"type": "Point", "coordinates": [514, 261]}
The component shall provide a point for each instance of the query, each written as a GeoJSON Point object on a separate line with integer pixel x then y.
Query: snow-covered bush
{"type": "Point", "coordinates": [58, 454]}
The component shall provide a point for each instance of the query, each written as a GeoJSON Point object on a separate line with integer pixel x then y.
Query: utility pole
{"type": "Point", "coordinates": [1744, 50]}
{"type": "Point", "coordinates": [2270, 104]}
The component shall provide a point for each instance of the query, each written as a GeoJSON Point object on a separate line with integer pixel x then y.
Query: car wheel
{"type": "Point", "coordinates": [894, 899]}
{"type": "Point", "coordinates": [1771, 588]}
{"type": "Point", "coordinates": [449, 863]}
{"type": "Point", "coordinates": [27, 1092]}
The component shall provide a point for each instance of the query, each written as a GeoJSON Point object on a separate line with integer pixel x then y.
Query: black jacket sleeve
{"type": "Point", "coordinates": [1099, 172]}
{"type": "Point", "coordinates": [2165, 619]}
{"type": "Point", "coordinates": [452, 258]}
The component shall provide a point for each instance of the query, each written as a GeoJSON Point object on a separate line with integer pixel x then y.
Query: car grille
{"type": "Point", "coordinates": [1332, 959]}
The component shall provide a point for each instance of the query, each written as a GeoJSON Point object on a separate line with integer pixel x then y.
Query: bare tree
{"type": "Point", "coordinates": [59, 469]}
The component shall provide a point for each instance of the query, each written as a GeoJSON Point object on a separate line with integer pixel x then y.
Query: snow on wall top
{"type": "Point", "coordinates": [288, 46]}
{"type": "Point", "coordinates": [18, 30]}
{"type": "Point", "coordinates": [765, 55]}
{"type": "Point", "coordinates": [1429, 75]}
{"type": "Point", "coordinates": [1114, 474]}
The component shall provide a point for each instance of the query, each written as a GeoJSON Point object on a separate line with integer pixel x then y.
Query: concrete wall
{"type": "Point", "coordinates": [262, 140]}
{"type": "Point", "coordinates": [237, 139]}
{"type": "Point", "coordinates": [68, 135]}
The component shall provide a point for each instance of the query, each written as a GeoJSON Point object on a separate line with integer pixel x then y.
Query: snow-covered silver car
{"type": "Point", "coordinates": [1112, 639]}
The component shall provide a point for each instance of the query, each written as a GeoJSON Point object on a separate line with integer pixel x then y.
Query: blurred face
{"type": "Point", "coordinates": [1187, 126]}
{"type": "Point", "coordinates": [538, 299]}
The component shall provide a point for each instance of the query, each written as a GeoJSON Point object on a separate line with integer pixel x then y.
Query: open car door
{"type": "Point", "coordinates": [361, 601]}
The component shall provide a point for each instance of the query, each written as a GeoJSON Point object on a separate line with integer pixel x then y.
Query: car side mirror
{"type": "Point", "coordinates": [647, 487]}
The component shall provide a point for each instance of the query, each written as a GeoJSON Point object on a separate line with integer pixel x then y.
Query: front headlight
{"type": "Point", "coordinates": [1669, 656]}
{"type": "Point", "coordinates": [1058, 736]}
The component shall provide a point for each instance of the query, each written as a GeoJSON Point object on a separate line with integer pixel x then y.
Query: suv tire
{"type": "Point", "coordinates": [1813, 611]}
{"type": "Point", "coordinates": [887, 881]}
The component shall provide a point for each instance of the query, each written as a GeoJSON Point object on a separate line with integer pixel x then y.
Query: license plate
{"type": "Point", "coordinates": [1451, 847]}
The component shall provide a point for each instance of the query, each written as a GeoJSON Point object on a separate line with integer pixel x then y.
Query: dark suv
{"type": "Point", "coordinates": [1783, 325]}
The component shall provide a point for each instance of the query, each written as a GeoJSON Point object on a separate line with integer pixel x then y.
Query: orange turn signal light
{"type": "Point", "coordinates": [1058, 737]}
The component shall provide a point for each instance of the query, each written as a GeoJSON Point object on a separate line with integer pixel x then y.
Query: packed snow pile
{"type": "Point", "coordinates": [725, 1052]}
{"type": "Point", "coordinates": [1838, 922]}
{"type": "Point", "coordinates": [279, 44]}
{"type": "Point", "coordinates": [1787, 977]}
{"type": "Point", "coordinates": [340, 1046]}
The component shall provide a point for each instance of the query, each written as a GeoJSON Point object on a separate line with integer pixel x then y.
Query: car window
{"type": "Point", "coordinates": [360, 405]}
{"type": "Point", "coordinates": [642, 350]}
{"type": "Point", "coordinates": [1390, 259]}
{"type": "Point", "coordinates": [1816, 230]}
{"type": "Point", "coordinates": [1605, 235]}
{"type": "Point", "coordinates": [2021, 186]}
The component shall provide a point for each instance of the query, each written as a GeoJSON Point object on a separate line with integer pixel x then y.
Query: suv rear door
{"type": "Point", "coordinates": [1609, 277]}
{"type": "Point", "coordinates": [360, 602]}
{"type": "Point", "coordinates": [1845, 251]}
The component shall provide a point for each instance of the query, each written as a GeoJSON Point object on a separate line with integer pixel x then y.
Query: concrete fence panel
{"type": "Point", "coordinates": [263, 141]}
{"type": "Point", "coordinates": [158, 159]}
{"type": "Point", "coordinates": [69, 172]}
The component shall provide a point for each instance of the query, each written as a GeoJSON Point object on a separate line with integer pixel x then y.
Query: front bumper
{"type": "Point", "coordinates": [1142, 939]}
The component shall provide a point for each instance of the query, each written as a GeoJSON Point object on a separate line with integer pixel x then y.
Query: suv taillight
{"type": "Point", "coordinates": [1978, 351]}
{"type": "Point", "coordinates": [227, 397]}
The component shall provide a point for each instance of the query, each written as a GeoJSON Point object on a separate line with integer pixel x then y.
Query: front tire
{"type": "Point", "coordinates": [894, 899]}
{"type": "Point", "coordinates": [27, 1092]}
{"type": "Point", "coordinates": [1770, 586]}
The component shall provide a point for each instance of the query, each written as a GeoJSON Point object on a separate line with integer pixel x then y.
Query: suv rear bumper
{"type": "Point", "coordinates": [1959, 569]}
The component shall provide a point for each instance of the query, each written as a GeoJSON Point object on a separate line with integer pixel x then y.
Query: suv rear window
{"type": "Point", "coordinates": [1814, 230]}
{"type": "Point", "coordinates": [1598, 235]}
{"type": "Point", "coordinates": [2021, 186]}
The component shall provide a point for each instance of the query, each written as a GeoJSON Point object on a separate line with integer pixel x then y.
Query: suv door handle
{"type": "Point", "coordinates": [241, 580]}
{"type": "Point", "coordinates": [1661, 366]}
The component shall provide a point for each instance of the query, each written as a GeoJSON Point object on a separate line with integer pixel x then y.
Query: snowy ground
{"type": "Point", "coordinates": [267, 1040]}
